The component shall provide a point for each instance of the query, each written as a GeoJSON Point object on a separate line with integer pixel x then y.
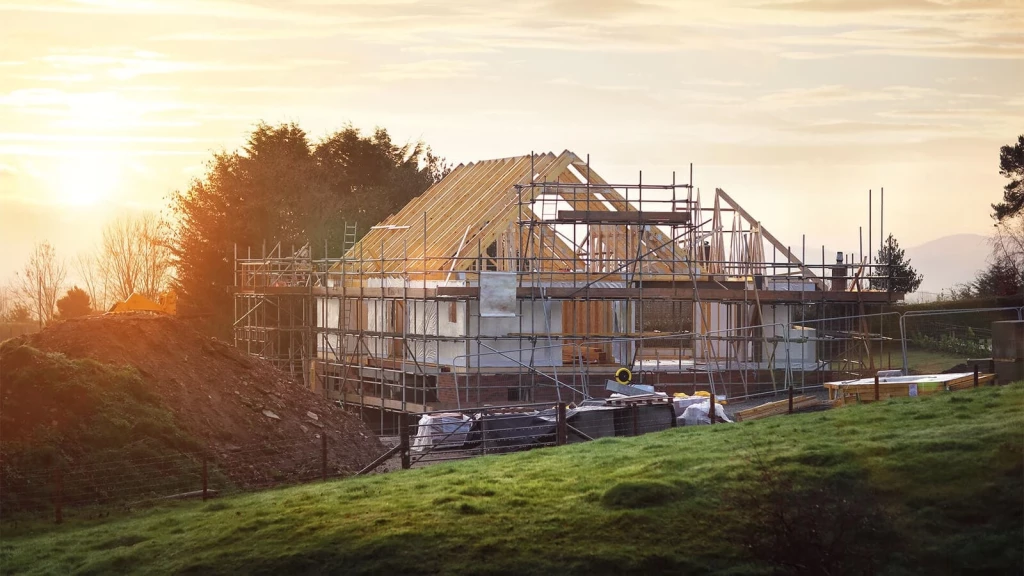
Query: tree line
{"type": "Point", "coordinates": [133, 256]}
{"type": "Point", "coordinates": [280, 186]}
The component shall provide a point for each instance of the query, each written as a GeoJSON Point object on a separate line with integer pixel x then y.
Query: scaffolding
{"type": "Point", "coordinates": [532, 279]}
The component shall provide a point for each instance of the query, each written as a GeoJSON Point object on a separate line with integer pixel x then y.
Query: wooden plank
{"type": "Point", "coordinates": [469, 208]}
{"type": "Point", "coordinates": [499, 218]}
{"type": "Point", "coordinates": [656, 240]}
{"type": "Point", "coordinates": [770, 238]}
{"type": "Point", "coordinates": [776, 408]}
{"type": "Point", "coordinates": [717, 295]}
{"type": "Point", "coordinates": [377, 402]}
{"type": "Point", "coordinates": [610, 217]}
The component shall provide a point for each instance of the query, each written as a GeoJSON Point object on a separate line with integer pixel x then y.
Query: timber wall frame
{"type": "Point", "coordinates": [572, 240]}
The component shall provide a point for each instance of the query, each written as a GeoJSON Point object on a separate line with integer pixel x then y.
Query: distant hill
{"type": "Point", "coordinates": [949, 260]}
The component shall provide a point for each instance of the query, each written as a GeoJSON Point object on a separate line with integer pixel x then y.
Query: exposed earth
{"type": "Point", "coordinates": [184, 393]}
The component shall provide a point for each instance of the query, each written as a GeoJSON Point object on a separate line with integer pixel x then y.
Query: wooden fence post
{"type": "Point", "coordinates": [58, 491]}
{"type": "Point", "coordinates": [403, 439]}
{"type": "Point", "coordinates": [877, 395]}
{"type": "Point", "coordinates": [711, 408]}
{"type": "Point", "coordinates": [323, 455]}
{"type": "Point", "coordinates": [561, 426]}
{"type": "Point", "coordinates": [975, 375]}
{"type": "Point", "coordinates": [205, 478]}
{"type": "Point", "coordinates": [790, 398]}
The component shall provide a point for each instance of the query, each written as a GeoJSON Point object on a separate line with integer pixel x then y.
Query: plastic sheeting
{"type": "Point", "coordinates": [511, 432]}
{"type": "Point", "coordinates": [498, 295]}
{"type": "Point", "coordinates": [440, 431]}
{"type": "Point", "coordinates": [697, 414]}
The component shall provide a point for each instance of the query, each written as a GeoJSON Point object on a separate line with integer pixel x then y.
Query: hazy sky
{"type": "Point", "coordinates": [795, 107]}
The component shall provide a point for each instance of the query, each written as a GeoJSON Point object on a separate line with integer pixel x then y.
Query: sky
{"type": "Point", "coordinates": [795, 107]}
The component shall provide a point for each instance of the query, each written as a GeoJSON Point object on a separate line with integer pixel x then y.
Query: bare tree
{"type": "Point", "coordinates": [155, 256]}
{"type": "Point", "coordinates": [134, 257]}
{"type": "Point", "coordinates": [40, 283]}
{"type": "Point", "coordinates": [94, 280]}
{"type": "Point", "coordinates": [1008, 243]}
{"type": "Point", "coordinates": [6, 302]}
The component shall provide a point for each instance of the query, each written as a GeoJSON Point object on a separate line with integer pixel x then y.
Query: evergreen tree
{"type": "Point", "coordinates": [73, 304]}
{"type": "Point", "coordinates": [1001, 278]}
{"type": "Point", "coordinates": [281, 187]}
{"type": "Point", "coordinates": [1011, 165]}
{"type": "Point", "coordinates": [898, 274]}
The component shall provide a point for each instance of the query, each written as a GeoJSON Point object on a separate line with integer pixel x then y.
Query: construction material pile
{"type": "Point", "coordinates": [800, 404]}
{"type": "Point", "coordinates": [232, 407]}
{"type": "Point", "coordinates": [865, 389]}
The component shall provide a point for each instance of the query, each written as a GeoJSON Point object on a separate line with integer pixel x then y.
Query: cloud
{"type": "Point", "coordinates": [221, 9]}
{"type": "Point", "coordinates": [832, 95]}
{"type": "Point", "coordinates": [436, 69]}
{"type": "Point", "coordinates": [848, 127]}
{"type": "Point", "coordinates": [876, 6]}
{"type": "Point", "coordinates": [126, 64]}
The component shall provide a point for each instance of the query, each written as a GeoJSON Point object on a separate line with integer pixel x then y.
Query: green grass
{"type": "Point", "coordinates": [929, 485]}
{"type": "Point", "coordinates": [927, 361]}
{"type": "Point", "coordinates": [918, 360]}
{"type": "Point", "coordinates": [54, 408]}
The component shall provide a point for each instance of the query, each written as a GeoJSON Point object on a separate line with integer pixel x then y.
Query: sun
{"type": "Point", "coordinates": [86, 179]}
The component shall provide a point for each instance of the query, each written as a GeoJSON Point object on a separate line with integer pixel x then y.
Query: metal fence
{"type": "Point", "coordinates": [445, 436]}
{"type": "Point", "coordinates": [63, 487]}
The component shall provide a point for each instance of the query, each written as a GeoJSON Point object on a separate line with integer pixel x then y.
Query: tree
{"type": "Point", "coordinates": [899, 275]}
{"type": "Point", "coordinates": [1011, 165]}
{"type": "Point", "coordinates": [999, 279]}
{"type": "Point", "coordinates": [281, 187]}
{"type": "Point", "coordinates": [40, 283]}
{"type": "Point", "coordinates": [7, 302]}
{"type": "Point", "coordinates": [17, 314]}
{"type": "Point", "coordinates": [74, 304]}
{"type": "Point", "coordinates": [94, 281]}
{"type": "Point", "coordinates": [134, 257]}
{"type": "Point", "coordinates": [1004, 275]}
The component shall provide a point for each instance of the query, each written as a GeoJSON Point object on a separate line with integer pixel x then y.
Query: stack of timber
{"type": "Point", "coordinates": [776, 408]}
{"type": "Point", "coordinates": [968, 382]}
{"type": "Point", "coordinates": [863, 390]}
{"type": "Point", "coordinates": [584, 354]}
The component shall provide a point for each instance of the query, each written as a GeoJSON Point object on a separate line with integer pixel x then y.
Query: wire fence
{"type": "Point", "coordinates": [62, 487]}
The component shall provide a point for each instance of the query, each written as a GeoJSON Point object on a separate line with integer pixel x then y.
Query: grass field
{"type": "Point", "coordinates": [931, 485]}
{"type": "Point", "coordinates": [919, 360]}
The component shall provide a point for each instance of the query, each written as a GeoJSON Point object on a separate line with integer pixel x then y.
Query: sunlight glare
{"type": "Point", "coordinates": [86, 179]}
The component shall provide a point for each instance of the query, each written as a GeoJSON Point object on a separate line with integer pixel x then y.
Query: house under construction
{"type": "Point", "coordinates": [532, 279]}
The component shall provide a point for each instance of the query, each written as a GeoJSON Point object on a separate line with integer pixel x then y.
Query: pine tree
{"type": "Point", "coordinates": [896, 273]}
{"type": "Point", "coordinates": [74, 304]}
{"type": "Point", "coordinates": [1011, 165]}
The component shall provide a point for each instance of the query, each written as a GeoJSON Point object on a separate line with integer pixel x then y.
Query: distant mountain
{"type": "Point", "coordinates": [949, 260]}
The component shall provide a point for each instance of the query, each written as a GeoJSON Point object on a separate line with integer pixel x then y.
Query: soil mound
{"type": "Point", "coordinates": [225, 400]}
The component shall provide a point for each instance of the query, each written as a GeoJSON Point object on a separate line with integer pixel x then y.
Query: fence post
{"type": "Point", "coordinates": [205, 477]}
{"type": "Point", "coordinates": [711, 409]}
{"type": "Point", "coordinates": [790, 399]}
{"type": "Point", "coordinates": [483, 432]}
{"type": "Point", "coordinates": [323, 455]}
{"type": "Point", "coordinates": [975, 375]}
{"type": "Point", "coordinates": [561, 426]}
{"type": "Point", "coordinates": [876, 388]}
{"type": "Point", "coordinates": [58, 491]}
{"type": "Point", "coordinates": [403, 439]}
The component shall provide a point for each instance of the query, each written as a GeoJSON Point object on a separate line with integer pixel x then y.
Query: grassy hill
{"type": "Point", "coordinates": [924, 486]}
